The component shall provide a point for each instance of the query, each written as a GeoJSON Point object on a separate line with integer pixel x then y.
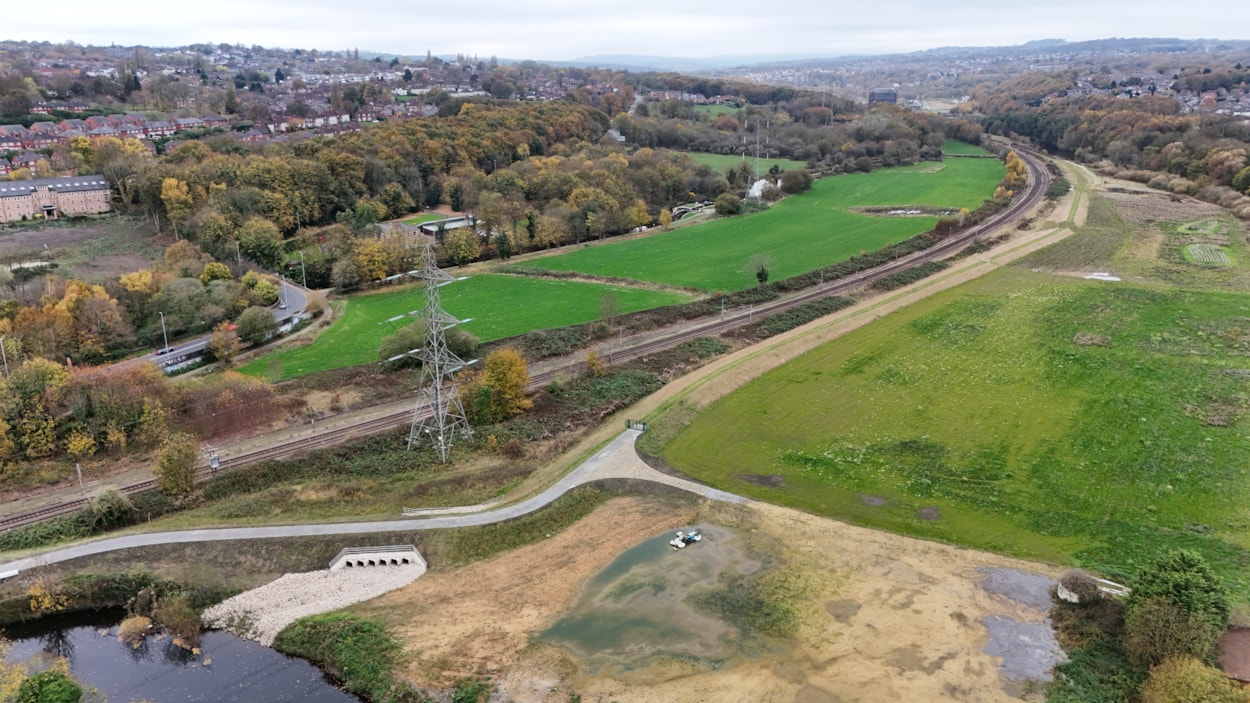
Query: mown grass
{"type": "Point", "coordinates": [501, 307]}
{"type": "Point", "coordinates": [954, 146]}
{"type": "Point", "coordinates": [723, 162]}
{"type": "Point", "coordinates": [798, 234]}
{"type": "Point", "coordinates": [1042, 417]}
{"type": "Point", "coordinates": [423, 218]}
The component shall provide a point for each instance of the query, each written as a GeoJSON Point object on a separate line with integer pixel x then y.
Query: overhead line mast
{"type": "Point", "coordinates": [439, 415]}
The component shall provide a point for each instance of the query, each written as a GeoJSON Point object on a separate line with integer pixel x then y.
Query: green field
{"type": "Point", "coordinates": [501, 306]}
{"type": "Point", "coordinates": [797, 234]}
{"type": "Point", "coordinates": [423, 218]}
{"type": "Point", "coordinates": [954, 146]}
{"type": "Point", "coordinates": [722, 162]}
{"type": "Point", "coordinates": [714, 111]}
{"type": "Point", "coordinates": [1045, 417]}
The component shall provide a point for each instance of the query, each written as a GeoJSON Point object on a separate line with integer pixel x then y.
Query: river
{"type": "Point", "coordinates": [229, 669]}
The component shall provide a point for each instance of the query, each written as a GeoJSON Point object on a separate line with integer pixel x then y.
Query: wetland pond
{"type": "Point", "coordinates": [228, 669]}
{"type": "Point", "coordinates": [657, 612]}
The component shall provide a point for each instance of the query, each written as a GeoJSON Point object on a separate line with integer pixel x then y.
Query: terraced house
{"type": "Point", "coordinates": [51, 198]}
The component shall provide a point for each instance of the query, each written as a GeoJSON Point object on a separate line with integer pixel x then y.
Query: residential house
{"type": "Point", "coordinates": [188, 123]}
{"type": "Point", "coordinates": [73, 125]}
{"type": "Point", "coordinates": [158, 129]}
{"type": "Point", "coordinates": [28, 159]}
{"type": "Point", "coordinates": [215, 121]}
{"type": "Point", "coordinates": [53, 197]}
{"type": "Point", "coordinates": [5, 167]}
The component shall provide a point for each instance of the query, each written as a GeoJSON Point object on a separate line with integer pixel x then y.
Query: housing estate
{"type": "Point", "coordinates": [53, 197]}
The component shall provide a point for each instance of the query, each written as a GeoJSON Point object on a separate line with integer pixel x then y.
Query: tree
{"type": "Point", "coordinates": [609, 307]}
{"type": "Point", "coordinates": [216, 271]}
{"type": "Point", "coordinates": [666, 218]}
{"type": "Point", "coordinates": [175, 464]}
{"type": "Point", "coordinates": [256, 325]}
{"type": "Point", "coordinates": [1187, 680]}
{"type": "Point", "coordinates": [1158, 629]}
{"type": "Point", "coordinates": [405, 339]}
{"type": "Point", "coordinates": [177, 200]}
{"type": "Point", "coordinates": [1184, 578]}
{"type": "Point", "coordinates": [504, 380]}
{"type": "Point", "coordinates": [260, 241]}
{"type": "Point", "coordinates": [462, 246]}
{"type": "Point", "coordinates": [595, 365]}
{"type": "Point", "coordinates": [224, 343]}
{"type": "Point", "coordinates": [793, 182]}
{"type": "Point", "coordinates": [728, 205]}
{"type": "Point", "coordinates": [759, 265]}
{"type": "Point", "coordinates": [79, 445]}
{"type": "Point", "coordinates": [345, 275]}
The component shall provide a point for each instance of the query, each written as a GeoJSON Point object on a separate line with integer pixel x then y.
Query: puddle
{"type": "Point", "coordinates": [638, 614]}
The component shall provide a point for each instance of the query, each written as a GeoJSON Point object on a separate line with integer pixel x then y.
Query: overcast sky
{"type": "Point", "coordinates": [565, 29]}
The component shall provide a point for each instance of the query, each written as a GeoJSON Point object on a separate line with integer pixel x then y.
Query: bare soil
{"type": "Point", "coordinates": [33, 238]}
{"type": "Point", "coordinates": [885, 617]}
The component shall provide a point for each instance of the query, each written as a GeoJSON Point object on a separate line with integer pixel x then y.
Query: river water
{"type": "Point", "coordinates": [229, 669]}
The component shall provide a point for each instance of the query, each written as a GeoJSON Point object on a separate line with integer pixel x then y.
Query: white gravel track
{"type": "Point", "coordinates": [261, 613]}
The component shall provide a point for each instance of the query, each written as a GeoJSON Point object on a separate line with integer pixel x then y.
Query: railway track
{"type": "Point", "coordinates": [1038, 181]}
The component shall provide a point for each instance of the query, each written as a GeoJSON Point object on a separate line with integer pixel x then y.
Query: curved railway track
{"type": "Point", "coordinates": [1038, 181]}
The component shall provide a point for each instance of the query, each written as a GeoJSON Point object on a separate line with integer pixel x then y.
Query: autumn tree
{"type": "Point", "coordinates": [175, 464]}
{"type": "Point", "coordinates": [1188, 680]}
{"type": "Point", "coordinates": [462, 246]}
{"type": "Point", "coordinates": [176, 197]}
{"type": "Point", "coordinates": [224, 343]}
{"type": "Point", "coordinates": [666, 218]}
{"type": "Point", "coordinates": [498, 393]}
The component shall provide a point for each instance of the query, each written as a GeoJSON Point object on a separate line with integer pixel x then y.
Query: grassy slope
{"type": "Point", "coordinates": [722, 162]}
{"type": "Point", "coordinates": [979, 403]}
{"type": "Point", "coordinates": [501, 306]}
{"type": "Point", "coordinates": [798, 234]}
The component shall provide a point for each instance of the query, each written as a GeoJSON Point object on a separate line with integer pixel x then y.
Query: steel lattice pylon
{"type": "Point", "coordinates": [439, 415]}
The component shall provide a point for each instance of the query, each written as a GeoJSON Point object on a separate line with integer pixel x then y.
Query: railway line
{"type": "Point", "coordinates": [1038, 181]}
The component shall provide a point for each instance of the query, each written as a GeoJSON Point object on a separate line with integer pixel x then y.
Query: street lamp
{"type": "Point", "coordinates": [164, 333]}
{"type": "Point", "coordinates": [302, 271]}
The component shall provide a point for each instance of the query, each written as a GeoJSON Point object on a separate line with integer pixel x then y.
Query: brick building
{"type": "Point", "coordinates": [53, 197]}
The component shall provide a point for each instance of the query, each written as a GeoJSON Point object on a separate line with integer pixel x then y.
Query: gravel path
{"type": "Point", "coordinates": [261, 613]}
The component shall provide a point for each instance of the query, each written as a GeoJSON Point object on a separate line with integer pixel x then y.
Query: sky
{"type": "Point", "coordinates": [556, 30]}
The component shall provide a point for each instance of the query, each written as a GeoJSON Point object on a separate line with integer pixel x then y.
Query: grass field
{"type": "Point", "coordinates": [501, 306]}
{"type": "Point", "coordinates": [1040, 416]}
{"type": "Point", "coordinates": [797, 234]}
{"type": "Point", "coordinates": [954, 146]}
{"type": "Point", "coordinates": [423, 218]}
{"type": "Point", "coordinates": [722, 162]}
{"type": "Point", "coordinates": [714, 111]}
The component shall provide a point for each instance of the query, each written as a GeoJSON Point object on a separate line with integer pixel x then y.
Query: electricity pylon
{"type": "Point", "coordinates": [439, 415]}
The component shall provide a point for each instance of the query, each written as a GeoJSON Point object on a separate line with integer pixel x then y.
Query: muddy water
{"type": "Point", "coordinates": [636, 614]}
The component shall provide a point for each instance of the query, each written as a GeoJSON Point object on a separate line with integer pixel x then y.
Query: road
{"type": "Point", "coordinates": [292, 299]}
{"type": "Point", "coordinates": [633, 347]}
{"type": "Point", "coordinates": [617, 460]}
